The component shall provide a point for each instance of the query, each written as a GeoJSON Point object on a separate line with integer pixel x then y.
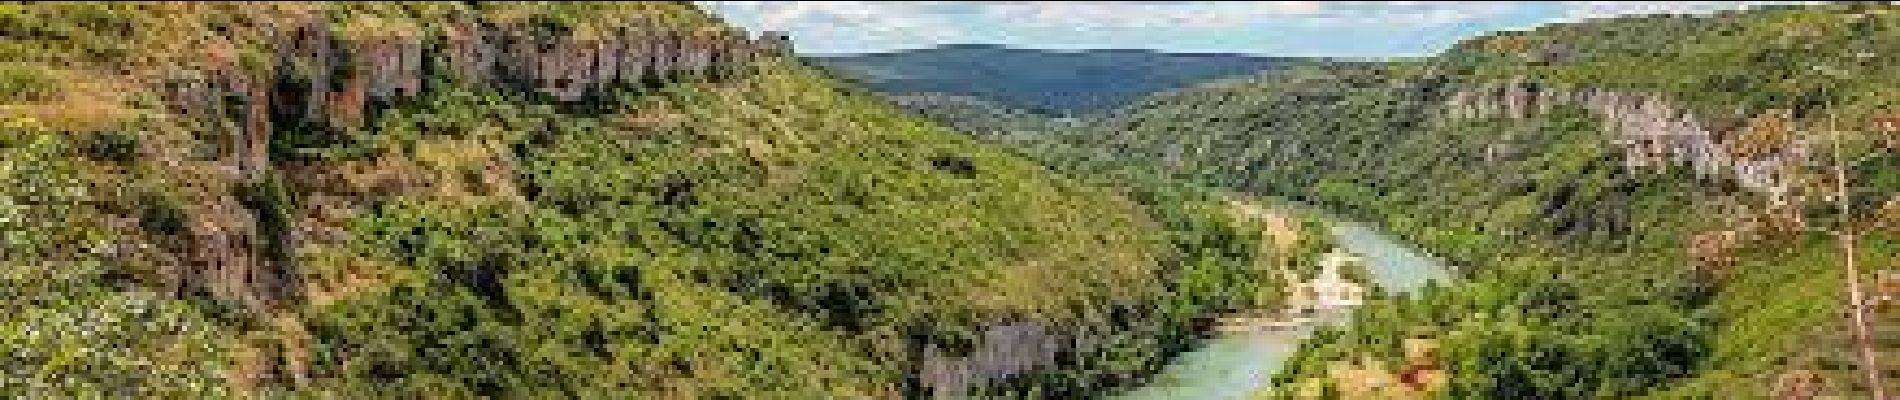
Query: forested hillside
{"type": "Point", "coordinates": [541, 199]}
{"type": "Point", "coordinates": [1644, 206]}
{"type": "Point", "coordinates": [985, 119]}
{"type": "Point", "coordinates": [1047, 82]}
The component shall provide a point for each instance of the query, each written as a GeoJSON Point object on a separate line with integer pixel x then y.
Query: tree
{"type": "Point", "coordinates": [1832, 181]}
{"type": "Point", "coordinates": [1847, 230]}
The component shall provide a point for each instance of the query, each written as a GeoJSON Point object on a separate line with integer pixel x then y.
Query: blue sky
{"type": "Point", "coordinates": [1286, 28]}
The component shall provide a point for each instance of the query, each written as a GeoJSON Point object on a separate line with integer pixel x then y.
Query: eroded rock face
{"type": "Point", "coordinates": [312, 78]}
{"type": "Point", "coordinates": [327, 76]}
{"type": "Point", "coordinates": [1651, 131]}
{"type": "Point", "coordinates": [1004, 351]}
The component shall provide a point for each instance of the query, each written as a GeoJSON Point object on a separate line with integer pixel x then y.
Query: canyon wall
{"type": "Point", "coordinates": [313, 78]}
{"type": "Point", "coordinates": [1650, 130]}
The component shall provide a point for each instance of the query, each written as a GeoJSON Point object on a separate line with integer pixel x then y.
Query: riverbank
{"type": "Point", "coordinates": [1241, 365]}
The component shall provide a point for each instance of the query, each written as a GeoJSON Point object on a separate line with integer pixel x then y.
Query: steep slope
{"type": "Point", "coordinates": [1067, 83]}
{"type": "Point", "coordinates": [594, 200]}
{"type": "Point", "coordinates": [985, 119]}
{"type": "Point", "coordinates": [1643, 205]}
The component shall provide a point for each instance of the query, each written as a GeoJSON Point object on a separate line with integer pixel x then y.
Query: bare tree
{"type": "Point", "coordinates": [1848, 227]}
{"type": "Point", "coordinates": [1847, 233]}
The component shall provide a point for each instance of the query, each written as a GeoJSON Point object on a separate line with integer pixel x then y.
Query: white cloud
{"type": "Point", "coordinates": [828, 25]}
{"type": "Point", "coordinates": [1206, 15]}
{"type": "Point", "coordinates": [1580, 10]}
{"type": "Point", "coordinates": [1127, 15]}
{"type": "Point", "coordinates": [849, 26]}
{"type": "Point", "coordinates": [901, 16]}
{"type": "Point", "coordinates": [1411, 13]}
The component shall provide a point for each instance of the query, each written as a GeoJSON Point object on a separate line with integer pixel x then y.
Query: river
{"type": "Point", "coordinates": [1238, 366]}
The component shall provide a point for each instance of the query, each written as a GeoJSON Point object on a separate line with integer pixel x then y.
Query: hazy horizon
{"type": "Point", "coordinates": [1347, 29]}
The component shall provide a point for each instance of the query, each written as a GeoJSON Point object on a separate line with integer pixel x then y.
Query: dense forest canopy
{"type": "Point", "coordinates": [632, 199]}
{"type": "Point", "coordinates": [593, 200]}
{"type": "Point", "coordinates": [1646, 206]}
{"type": "Point", "coordinates": [1067, 83]}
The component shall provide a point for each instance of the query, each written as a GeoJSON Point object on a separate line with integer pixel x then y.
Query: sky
{"type": "Point", "coordinates": [1358, 29]}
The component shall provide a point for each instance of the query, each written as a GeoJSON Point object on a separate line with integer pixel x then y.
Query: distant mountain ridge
{"type": "Point", "coordinates": [1059, 82]}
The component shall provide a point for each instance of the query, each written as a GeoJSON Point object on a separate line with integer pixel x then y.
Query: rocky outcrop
{"type": "Point", "coordinates": [316, 78]}
{"type": "Point", "coordinates": [1651, 131]}
{"type": "Point", "coordinates": [1003, 351]}
{"type": "Point", "coordinates": [322, 75]}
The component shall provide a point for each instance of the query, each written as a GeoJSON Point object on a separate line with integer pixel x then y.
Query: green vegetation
{"type": "Point", "coordinates": [609, 200]}
{"type": "Point", "coordinates": [710, 231]}
{"type": "Point", "coordinates": [71, 329]}
{"type": "Point", "coordinates": [1587, 277]}
{"type": "Point", "coordinates": [1042, 82]}
{"type": "Point", "coordinates": [987, 120]}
